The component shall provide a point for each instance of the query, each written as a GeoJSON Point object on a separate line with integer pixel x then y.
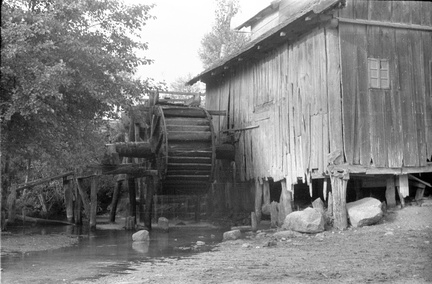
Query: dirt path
{"type": "Point", "coordinates": [398, 250]}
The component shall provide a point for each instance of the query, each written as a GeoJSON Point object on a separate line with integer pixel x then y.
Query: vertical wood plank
{"type": "Point", "coordinates": [362, 97]}
{"type": "Point", "coordinates": [348, 51]}
{"type": "Point", "coordinates": [333, 90]}
{"type": "Point", "coordinates": [409, 126]}
{"type": "Point", "coordinates": [427, 63]}
{"type": "Point", "coordinates": [419, 94]}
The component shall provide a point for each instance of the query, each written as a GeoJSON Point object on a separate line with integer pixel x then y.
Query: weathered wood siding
{"type": "Point", "coordinates": [312, 97]}
{"type": "Point", "coordinates": [392, 127]}
{"type": "Point", "coordinates": [293, 94]}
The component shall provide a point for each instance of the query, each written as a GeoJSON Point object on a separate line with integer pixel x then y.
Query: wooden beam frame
{"type": "Point", "coordinates": [385, 24]}
{"type": "Point", "coordinates": [42, 181]}
{"type": "Point", "coordinates": [358, 169]}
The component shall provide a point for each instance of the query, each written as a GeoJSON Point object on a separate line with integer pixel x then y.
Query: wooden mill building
{"type": "Point", "coordinates": [329, 91]}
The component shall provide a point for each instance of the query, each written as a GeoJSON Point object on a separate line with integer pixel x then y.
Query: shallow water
{"type": "Point", "coordinates": [102, 252]}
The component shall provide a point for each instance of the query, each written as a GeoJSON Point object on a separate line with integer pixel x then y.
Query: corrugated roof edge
{"type": "Point", "coordinates": [319, 7]}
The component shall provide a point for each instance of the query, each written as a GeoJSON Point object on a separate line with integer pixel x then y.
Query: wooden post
{"type": "Point", "coordinates": [254, 222]}
{"type": "Point", "coordinates": [114, 201]}
{"type": "Point", "coordinates": [11, 204]}
{"type": "Point", "coordinates": [77, 204]}
{"type": "Point", "coordinates": [266, 193]}
{"type": "Point", "coordinates": [285, 199]}
{"type": "Point", "coordinates": [339, 183]}
{"type": "Point", "coordinates": [132, 197]}
{"type": "Point", "coordinates": [420, 193]}
{"type": "Point", "coordinates": [43, 204]}
{"type": "Point", "coordinates": [390, 192]}
{"type": "Point", "coordinates": [68, 194]}
{"type": "Point", "coordinates": [403, 189]}
{"type": "Point", "coordinates": [142, 193]}
{"type": "Point", "coordinates": [274, 214]}
{"type": "Point", "coordinates": [93, 201]}
{"type": "Point", "coordinates": [84, 197]}
{"type": "Point", "coordinates": [330, 204]}
{"type": "Point", "coordinates": [151, 184]}
{"type": "Point", "coordinates": [258, 200]}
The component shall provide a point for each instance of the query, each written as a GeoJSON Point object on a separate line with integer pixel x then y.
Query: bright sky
{"type": "Point", "coordinates": [175, 36]}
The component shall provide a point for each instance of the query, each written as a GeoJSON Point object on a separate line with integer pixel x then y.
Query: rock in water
{"type": "Point", "coordinates": [309, 220]}
{"type": "Point", "coordinates": [163, 223]}
{"type": "Point", "coordinates": [364, 212]}
{"type": "Point", "coordinates": [232, 235]}
{"type": "Point", "coordinates": [141, 236]}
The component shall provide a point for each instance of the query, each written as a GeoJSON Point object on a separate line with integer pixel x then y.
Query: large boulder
{"type": "Point", "coordinates": [364, 212]}
{"type": "Point", "coordinates": [141, 236]}
{"type": "Point", "coordinates": [232, 235]}
{"type": "Point", "coordinates": [309, 220]}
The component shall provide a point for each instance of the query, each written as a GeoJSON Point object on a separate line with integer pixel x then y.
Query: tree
{"type": "Point", "coordinates": [222, 41]}
{"type": "Point", "coordinates": [179, 85]}
{"type": "Point", "coordinates": [67, 66]}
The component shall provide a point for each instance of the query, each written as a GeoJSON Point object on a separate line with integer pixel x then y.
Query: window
{"type": "Point", "coordinates": [379, 73]}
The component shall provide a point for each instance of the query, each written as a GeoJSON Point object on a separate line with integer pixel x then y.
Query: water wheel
{"type": "Point", "coordinates": [183, 142]}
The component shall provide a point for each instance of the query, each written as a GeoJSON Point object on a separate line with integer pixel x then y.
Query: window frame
{"type": "Point", "coordinates": [378, 73]}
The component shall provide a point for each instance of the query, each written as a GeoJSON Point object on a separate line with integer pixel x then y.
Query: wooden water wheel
{"type": "Point", "coordinates": [183, 143]}
{"type": "Point", "coordinates": [179, 150]}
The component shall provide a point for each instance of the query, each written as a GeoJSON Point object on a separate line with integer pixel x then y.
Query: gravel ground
{"type": "Point", "coordinates": [397, 250]}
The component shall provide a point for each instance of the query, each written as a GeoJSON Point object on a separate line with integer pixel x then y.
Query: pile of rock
{"type": "Point", "coordinates": [363, 212]}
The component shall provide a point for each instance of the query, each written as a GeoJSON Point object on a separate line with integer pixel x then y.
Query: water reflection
{"type": "Point", "coordinates": [141, 247]}
{"type": "Point", "coordinates": [102, 250]}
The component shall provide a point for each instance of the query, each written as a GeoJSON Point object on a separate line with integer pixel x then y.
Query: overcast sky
{"type": "Point", "coordinates": [175, 36]}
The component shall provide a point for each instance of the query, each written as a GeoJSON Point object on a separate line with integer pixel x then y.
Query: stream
{"type": "Point", "coordinates": [102, 252]}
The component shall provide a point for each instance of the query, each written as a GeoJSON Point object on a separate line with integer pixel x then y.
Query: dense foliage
{"type": "Point", "coordinates": [222, 41]}
{"type": "Point", "coordinates": [67, 67]}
